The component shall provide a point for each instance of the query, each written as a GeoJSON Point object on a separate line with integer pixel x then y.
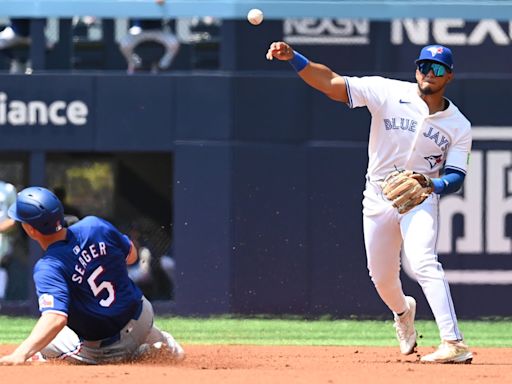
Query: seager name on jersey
{"type": "Point", "coordinates": [93, 251]}
{"type": "Point", "coordinates": [401, 123]}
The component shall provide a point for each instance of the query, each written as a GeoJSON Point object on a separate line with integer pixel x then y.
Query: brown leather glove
{"type": "Point", "coordinates": [407, 189]}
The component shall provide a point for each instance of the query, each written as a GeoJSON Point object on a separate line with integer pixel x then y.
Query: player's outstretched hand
{"type": "Point", "coordinates": [12, 359]}
{"type": "Point", "coordinates": [280, 50]}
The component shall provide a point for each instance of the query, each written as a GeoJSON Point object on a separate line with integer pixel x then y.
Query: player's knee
{"type": "Point", "coordinates": [383, 280]}
{"type": "Point", "coordinates": [427, 269]}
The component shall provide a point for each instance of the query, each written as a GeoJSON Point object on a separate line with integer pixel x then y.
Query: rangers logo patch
{"type": "Point", "coordinates": [46, 301]}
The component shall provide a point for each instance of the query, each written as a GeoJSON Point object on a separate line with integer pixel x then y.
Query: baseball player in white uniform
{"type": "Point", "coordinates": [7, 225]}
{"type": "Point", "coordinates": [414, 127]}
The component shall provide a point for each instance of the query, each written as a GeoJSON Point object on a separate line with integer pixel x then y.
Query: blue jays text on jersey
{"type": "Point", "coordinates": [434, 135]}
{"type": "Point", "coordinates": [86, 256]}
{"type": "Point", "coordinates": [401, 123]}
{"type": "Point", "coordinates": [406, 124]}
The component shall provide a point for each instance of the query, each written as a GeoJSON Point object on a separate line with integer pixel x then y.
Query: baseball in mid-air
{"type": "Point", "coordinates": [255, 16]}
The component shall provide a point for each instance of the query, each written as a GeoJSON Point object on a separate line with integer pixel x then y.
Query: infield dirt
{"type": "Point", "coordinates": [275, 364]}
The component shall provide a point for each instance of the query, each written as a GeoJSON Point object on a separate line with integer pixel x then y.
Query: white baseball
{"type": "Point", "coordinates": [255, 16]}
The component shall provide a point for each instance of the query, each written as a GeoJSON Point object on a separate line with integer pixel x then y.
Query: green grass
{"type": "Point", "coordinates": [262, 331]}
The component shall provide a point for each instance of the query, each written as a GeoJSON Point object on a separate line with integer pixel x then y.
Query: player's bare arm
{"type": "Point", "coordinates": [314, 74]}
{"type": "Point", "coordinates": [6, 225]}
{"type": "Point", "coordinates": [133, 255]}
{"type": "Point", "coordinates": [45, 330]}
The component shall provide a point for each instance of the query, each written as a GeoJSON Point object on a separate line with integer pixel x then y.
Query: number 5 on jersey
{"type": "Point", "coordinates": [97, 288]}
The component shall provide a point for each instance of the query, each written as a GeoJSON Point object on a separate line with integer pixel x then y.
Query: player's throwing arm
{"type": "Point", "coordinates": [314, 74]}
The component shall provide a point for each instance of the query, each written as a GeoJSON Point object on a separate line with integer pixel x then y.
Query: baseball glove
{"type": "Point", "coordinates": [406, 189]}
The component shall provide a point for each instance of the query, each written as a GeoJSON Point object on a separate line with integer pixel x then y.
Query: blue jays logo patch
{"type": "Point", "coordinates": [433, 160]}
{"type": "Point", "coordinates": [435, 50]}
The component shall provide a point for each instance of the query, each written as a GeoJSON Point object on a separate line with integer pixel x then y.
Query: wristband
{"type": "Point", "coordinates": [450, 182]}
{"type": "Point", "coordinates": [439, 185]}
{"type": "Point", "coordinates": [298, 62]}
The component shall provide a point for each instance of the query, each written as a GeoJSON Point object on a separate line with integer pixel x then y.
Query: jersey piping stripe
{"type": "Point", "coordinates": [445, 283]}
{"type": "Point", "coordinates": [74, 352]}
{"type": "Point", "coordinates": [437, 224]}
{"type": "Point", "coordinates": [55, 311]}
{"type": "Point", "coordinates": [455, 168]}
{"type": "Point", "coordinates": [452, 310]}
{"type": "Point", "coordinates": [350, 104]}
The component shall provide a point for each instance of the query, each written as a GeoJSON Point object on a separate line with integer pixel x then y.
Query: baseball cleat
{"type": "Point", "coordinates": [37, 358]}
{"type": "Point", "coordinates": [450, 352]}
{"type": "Point", "coordinates": [142, 351]}
{"type": "Point", "coordinates": [404, 325]}
{"type": "Point", "coordinates": [176, 349]}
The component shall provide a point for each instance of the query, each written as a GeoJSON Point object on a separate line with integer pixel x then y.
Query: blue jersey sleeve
{"type": "Point", "coordinates": [119, 239]}
{"type": "Point", "coordinates": [51, 287]}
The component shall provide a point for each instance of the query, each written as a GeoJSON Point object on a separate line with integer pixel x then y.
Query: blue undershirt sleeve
{"type": "Point", "coordinates": [450, 182]}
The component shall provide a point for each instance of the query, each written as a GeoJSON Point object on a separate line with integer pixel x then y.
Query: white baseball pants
{"type": "Point", "coordinates": [414, 234]}
{"type": "Point", "coordinates": [67, 344]}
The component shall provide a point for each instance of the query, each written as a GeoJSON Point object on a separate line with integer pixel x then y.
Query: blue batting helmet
{"type": "Point", "coordinates": [39, 208]}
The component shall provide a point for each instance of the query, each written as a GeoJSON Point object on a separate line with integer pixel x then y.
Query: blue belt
{"type": "Point", "coordinates": [110, 340]}
{"type": "Point", "coordinates": [138, 311]}
{"type": "Point", "coordinates": [113, 339]}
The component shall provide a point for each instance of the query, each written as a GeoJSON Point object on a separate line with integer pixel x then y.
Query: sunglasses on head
{"type": "Point", "coordinates": [438, 69]}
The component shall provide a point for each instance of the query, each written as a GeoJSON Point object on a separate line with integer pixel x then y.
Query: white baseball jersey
{"type": "Point", "coordinates": [7, 197]}
{"type": "Point", "coordinates": [404, 135]}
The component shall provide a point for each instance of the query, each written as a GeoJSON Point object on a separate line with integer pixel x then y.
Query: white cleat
{"type": "Point", "coordinates": [450, 353]}
{"type": "Point", "coordinates": [142, 351]}
{"type": "Point", "coordinates": [176, 349]}
{"type": "Point", "coordinates": [404, 325]}
{"type": "Point", "coordinates": [37, 358]}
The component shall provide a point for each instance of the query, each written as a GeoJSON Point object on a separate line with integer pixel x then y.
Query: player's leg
{"type": "Point", "coordinates": [139, 336]}
{"type": "Point", "coordinates": [167, 40]}
{"type": "Point", "coordinates": [127, 46]}
{"type": "Point", "coordinates": [133, 336]}
{"type": "Point", "coordinates": [383, 243]}
{"type": "Point", "coordinates": [119, 347]}
{"type": "Point", "coordinates": [65, 346]}
{"type": "Point", "coordinates": [419, 228]}
{"type": "Point", "coordinates": [158, 338]}
{"type": "Point", "coordinates": [171, 44]}
{"type": "Point", "coordinates": [127, 344]}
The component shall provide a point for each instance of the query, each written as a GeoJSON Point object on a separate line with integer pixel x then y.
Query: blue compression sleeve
{"type": "Point", "coordinates": [450, 182]}
{"type": "Point", "coordinates": [298, 61]}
